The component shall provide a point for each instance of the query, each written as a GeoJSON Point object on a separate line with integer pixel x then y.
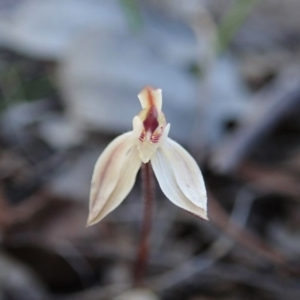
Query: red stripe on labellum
{"type": "Point", "coordinates": [151, 123]}
{"type": "Point", "coordinates": [150, 98]}
{"type": "Point", "coordinates": [142, 136]}
{"type": "Point", "coordinates": [155, 138]}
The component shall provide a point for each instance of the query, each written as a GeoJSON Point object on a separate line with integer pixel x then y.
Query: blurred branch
{"type": "Point", "coordinates": [243, 236]}
{"type": "Point", "coordinates": [98, 293]}
{"type": "Point", "coordinates": [269, 179]}
{"type": "Point", "coordinates": [218, 249]}
{"type": "Point", "coordinates": [270, 106]}
{"type": "Point", "coordinates": [283, 288]}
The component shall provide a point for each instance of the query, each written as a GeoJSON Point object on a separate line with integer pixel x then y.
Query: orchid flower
{"type": "Point", "coordinates": [176, 171]}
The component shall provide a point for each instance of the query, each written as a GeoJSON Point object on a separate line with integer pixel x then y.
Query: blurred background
{"type": "Point", "coordinates": [69, 74]}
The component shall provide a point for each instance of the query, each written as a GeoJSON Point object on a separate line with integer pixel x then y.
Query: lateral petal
{"type": "Point", "coordinates": [187, 172]}
{"type": "Point", "coordinates": [180, 178]}
{"type": "Point", "coordinates": [114, 176]}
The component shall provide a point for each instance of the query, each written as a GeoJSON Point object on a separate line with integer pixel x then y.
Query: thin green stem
{"type": "Point", "coordinates": [132, 14]}
{"type": "Point", "coordinates": [232, 21]}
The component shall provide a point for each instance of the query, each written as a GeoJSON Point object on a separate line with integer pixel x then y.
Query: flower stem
{"type": "Point", "coordinates": [143, 250]}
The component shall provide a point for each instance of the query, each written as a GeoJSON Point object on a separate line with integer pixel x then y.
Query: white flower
{"type": "Point", "coordinates": [176, 171]}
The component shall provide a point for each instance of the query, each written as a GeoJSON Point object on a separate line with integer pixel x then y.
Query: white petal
{"type": "Point", "coordinates": [187, 172]}
{"type": "Point", "coordinates": [180, 178]}
{"type": "Point", "coordinates": [114, 176]}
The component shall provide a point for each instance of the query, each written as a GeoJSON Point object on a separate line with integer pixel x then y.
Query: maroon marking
{"type": "Point", "coordinates": [142, 136]}
{"type": "Point", "coordinates": [151, 123]}
{"type": "Point", "coordinates": [150, 98]}
{"type": "Point", "coordinates": [155, 138]}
